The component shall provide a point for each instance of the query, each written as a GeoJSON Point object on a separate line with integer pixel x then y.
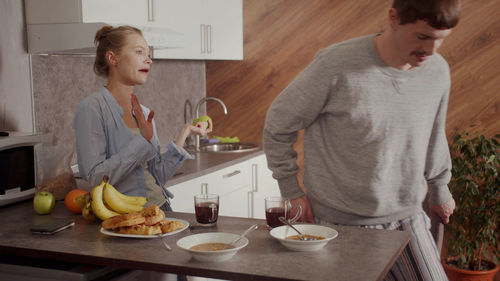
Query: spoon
{"type": "Point", "coordinates": [165, 243]}
{"type": "Point", "coordinates": [301, 237]}
{"type": "Point", "coordinates": [251, 228]}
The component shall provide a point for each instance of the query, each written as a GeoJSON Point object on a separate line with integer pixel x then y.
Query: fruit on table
{"type": "Point", "coordinates": [135, 200]}
{"type": "Point", "coordinates": [87, 212]}
{"type": "Point", "coordinates": [120, 202]}
{"type": "Point", "coordinates": [44, 202]}
{"type": "Point", "coordinates": [98, 207]}
{"type": "Point", "coordinates": [82, 200]}
{"type": "Point", "coordinates": [75, 200]}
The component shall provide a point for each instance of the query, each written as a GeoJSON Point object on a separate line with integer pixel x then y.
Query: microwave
{"type": "Point", "coordinates": [18, 166]}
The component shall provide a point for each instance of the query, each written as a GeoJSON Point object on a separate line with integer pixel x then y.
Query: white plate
{"type": "Point", "coordinates": [111, 233]}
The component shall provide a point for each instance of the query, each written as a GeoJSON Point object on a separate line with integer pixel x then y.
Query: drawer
{"type": "Point", "coordinates": [230, 179]}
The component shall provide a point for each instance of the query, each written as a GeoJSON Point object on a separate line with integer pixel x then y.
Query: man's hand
{"type": "Point", "coordinates": [307, 215]}
{"type": "Point", "coordinates": [145, 126]}
{"type": "Point", "coordinates": [444, 211]}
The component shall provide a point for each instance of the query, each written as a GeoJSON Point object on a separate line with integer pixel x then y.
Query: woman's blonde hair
{"type": "Point", "coordinates": [110, 38]}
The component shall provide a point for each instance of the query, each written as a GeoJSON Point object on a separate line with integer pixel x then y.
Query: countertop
{"type": "Point", "coordinates": [356, 254]}
{"type": "Point", "coordinates": [206, 162]}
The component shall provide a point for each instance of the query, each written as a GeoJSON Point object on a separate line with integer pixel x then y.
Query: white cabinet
{"type": "Point", "coordinates": [184, 16]}
{"type": "Point", "coordinates": [184, 193]}
{"type": "Point", "coordinates": [232, 184]}
{"type": "Point", "coordinates": [177, 29]}
{"type": "Point", "coordinates": [81, 11]}
{"type": "Point", "coordinates": [263, 185]}
{"type": "Point", "coordinates": [242, 188]}
{"type": "Point", "coordinates": [130, 12]}
{"type": "Point", "coordinates": [223, 20]}
{"type": "Point", "coordinates": [212, 29]}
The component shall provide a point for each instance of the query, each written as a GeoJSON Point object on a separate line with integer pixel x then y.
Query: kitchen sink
{"type": "Point", "coordinates": [228, 147]}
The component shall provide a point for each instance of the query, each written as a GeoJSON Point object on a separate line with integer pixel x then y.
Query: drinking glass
{"type": "Point", "coordinates": [206, 207]}
{"type": "Point", "coordinates": [277, 206]}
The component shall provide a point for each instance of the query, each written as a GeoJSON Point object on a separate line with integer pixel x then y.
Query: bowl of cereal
{"type": "Point", "coordinates": [212, 246]}
{"type": "Point", "coordinates": [318, 236]}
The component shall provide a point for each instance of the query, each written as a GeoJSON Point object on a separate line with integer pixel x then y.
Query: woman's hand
{"type": "Point", "coordinates": [206, 125]}
{"type": "Point", "coordinates": [145, 126]}
{"type": "Point", "coordinates": [200, 128]}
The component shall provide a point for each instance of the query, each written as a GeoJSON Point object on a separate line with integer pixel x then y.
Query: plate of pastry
{"type": "Point", "coordinates": [148, 223]}
{"type": "Point", "coordinates": [170, 225]}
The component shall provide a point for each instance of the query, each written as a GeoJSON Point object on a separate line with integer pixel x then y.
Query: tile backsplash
{"type": "Point", "coordinates": [61, 82]}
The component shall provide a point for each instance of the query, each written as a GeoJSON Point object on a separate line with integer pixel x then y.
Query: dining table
{"type": "Point", "coordinates": [355, 254]}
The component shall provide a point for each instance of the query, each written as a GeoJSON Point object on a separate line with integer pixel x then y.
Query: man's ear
{"type": "Point", "coordinates": [111, 58]}
{"type": "Point", "coordinates": [393, 18]}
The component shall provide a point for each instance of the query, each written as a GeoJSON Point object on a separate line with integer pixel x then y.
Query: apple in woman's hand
{"type": "Point", "coordinates": [202, 122]}
{"type": "Point", "coordinates": [44, 202]}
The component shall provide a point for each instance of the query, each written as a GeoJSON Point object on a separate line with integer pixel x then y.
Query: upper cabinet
{"type": "Point", "coordinates": [176, 29]}
{"type": "Point", "coordinates": [212, 29]}
{"type": "Point", "coordinates": [81, 11]}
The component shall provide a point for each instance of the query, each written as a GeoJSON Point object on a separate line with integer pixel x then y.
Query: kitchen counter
{"type": "Point", "coordinates": [356, 254]}
{"type": "Point", "coordinates": [205, 163]}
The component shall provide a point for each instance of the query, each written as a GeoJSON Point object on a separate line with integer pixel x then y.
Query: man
{"type": "Point", "coordinates": [374, 111]}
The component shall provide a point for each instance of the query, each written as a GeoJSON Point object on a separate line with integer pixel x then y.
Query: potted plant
{"type": "Point", "coordinates": [472, 234]}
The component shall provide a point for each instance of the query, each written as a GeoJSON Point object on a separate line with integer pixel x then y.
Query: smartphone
{"type": "Point", "coordinates": [52, 226]}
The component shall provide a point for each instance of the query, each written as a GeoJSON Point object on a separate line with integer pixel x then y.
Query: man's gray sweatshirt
{"type": "Point", "coordinates": [374, 136]}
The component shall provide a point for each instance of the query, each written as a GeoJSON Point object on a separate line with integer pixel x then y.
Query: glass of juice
{"type": "Point", "coordinates": [277, 206]}
{"type": "Point", "coordinates": [206, 207]}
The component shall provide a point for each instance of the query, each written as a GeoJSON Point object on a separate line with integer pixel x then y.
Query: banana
{"type": "Point", "coordinates": [87, 213]}
{"type": "Point", "coordinates": [135, 200]}
{"type": "Point", "coordinates": [117, 203]}
{"type": "Point", "coordinates": [97, 204]}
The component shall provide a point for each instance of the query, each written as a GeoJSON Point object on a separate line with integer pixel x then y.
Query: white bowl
{"type": "Point", "coordinates": [211, 237]}
{"type": "Point", "coordinates": [281, 232]}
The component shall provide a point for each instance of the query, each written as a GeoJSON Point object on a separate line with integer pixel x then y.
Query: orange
{"type": "Point", "coordinates": [71, 200]}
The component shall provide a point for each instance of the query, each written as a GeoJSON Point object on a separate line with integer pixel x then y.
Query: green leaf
{"type": "Point", "coordinates": [490, 160]}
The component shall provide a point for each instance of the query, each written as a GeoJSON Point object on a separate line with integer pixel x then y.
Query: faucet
{"type": "Point", "coordinates": [197, 114]}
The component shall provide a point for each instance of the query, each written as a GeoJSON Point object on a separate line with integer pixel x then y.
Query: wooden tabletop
{"type": "Point", "coordinates": [356, 254]}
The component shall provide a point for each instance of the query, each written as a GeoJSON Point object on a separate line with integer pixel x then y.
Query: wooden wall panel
{"type": "Point", "coordinates": [281, 37]}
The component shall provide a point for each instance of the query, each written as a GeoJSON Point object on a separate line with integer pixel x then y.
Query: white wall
{"type": "Point", "coordinates": [15, 90]}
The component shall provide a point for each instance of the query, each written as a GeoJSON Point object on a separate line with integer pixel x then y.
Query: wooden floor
{"type": "Point", "coordinates": [281, 38]}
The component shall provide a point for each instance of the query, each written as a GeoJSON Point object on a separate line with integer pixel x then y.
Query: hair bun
{"type": "Point", "coordinates": [102, 33]}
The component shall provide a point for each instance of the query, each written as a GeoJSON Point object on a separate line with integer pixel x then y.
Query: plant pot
{"type": "Point", "coordinates": [457, 274]}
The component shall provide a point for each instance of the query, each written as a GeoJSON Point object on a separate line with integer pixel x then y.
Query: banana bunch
{"type": "Point", "coordinates": [108, 202]}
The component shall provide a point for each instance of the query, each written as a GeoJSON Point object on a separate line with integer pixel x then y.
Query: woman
{"type": "Point", "coordinates": [115, 134]}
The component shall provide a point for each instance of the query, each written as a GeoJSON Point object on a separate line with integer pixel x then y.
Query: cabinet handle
{"type": "Point", "coordinates": [151, 9]}
{"type": "Point", "coordinates": [204, 188]}
{"type": "Point", "coordinates": [231, 174]}
{"type": "Point", "coordinates": [254, 178]}
{"type": "Point", "coordinates": [202, 38]}
{"type": "Point", "coordinates": [206, 38]}
{"type": "Point", "coordinates": [209, 38]}
{"type": "Point", "coordinates": [250, 204]}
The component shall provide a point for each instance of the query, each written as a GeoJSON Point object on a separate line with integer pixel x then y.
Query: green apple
{"type": "Point", "coordinates": [44, 202]}
{"type": "Point", "coordinates": [204, 118]}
